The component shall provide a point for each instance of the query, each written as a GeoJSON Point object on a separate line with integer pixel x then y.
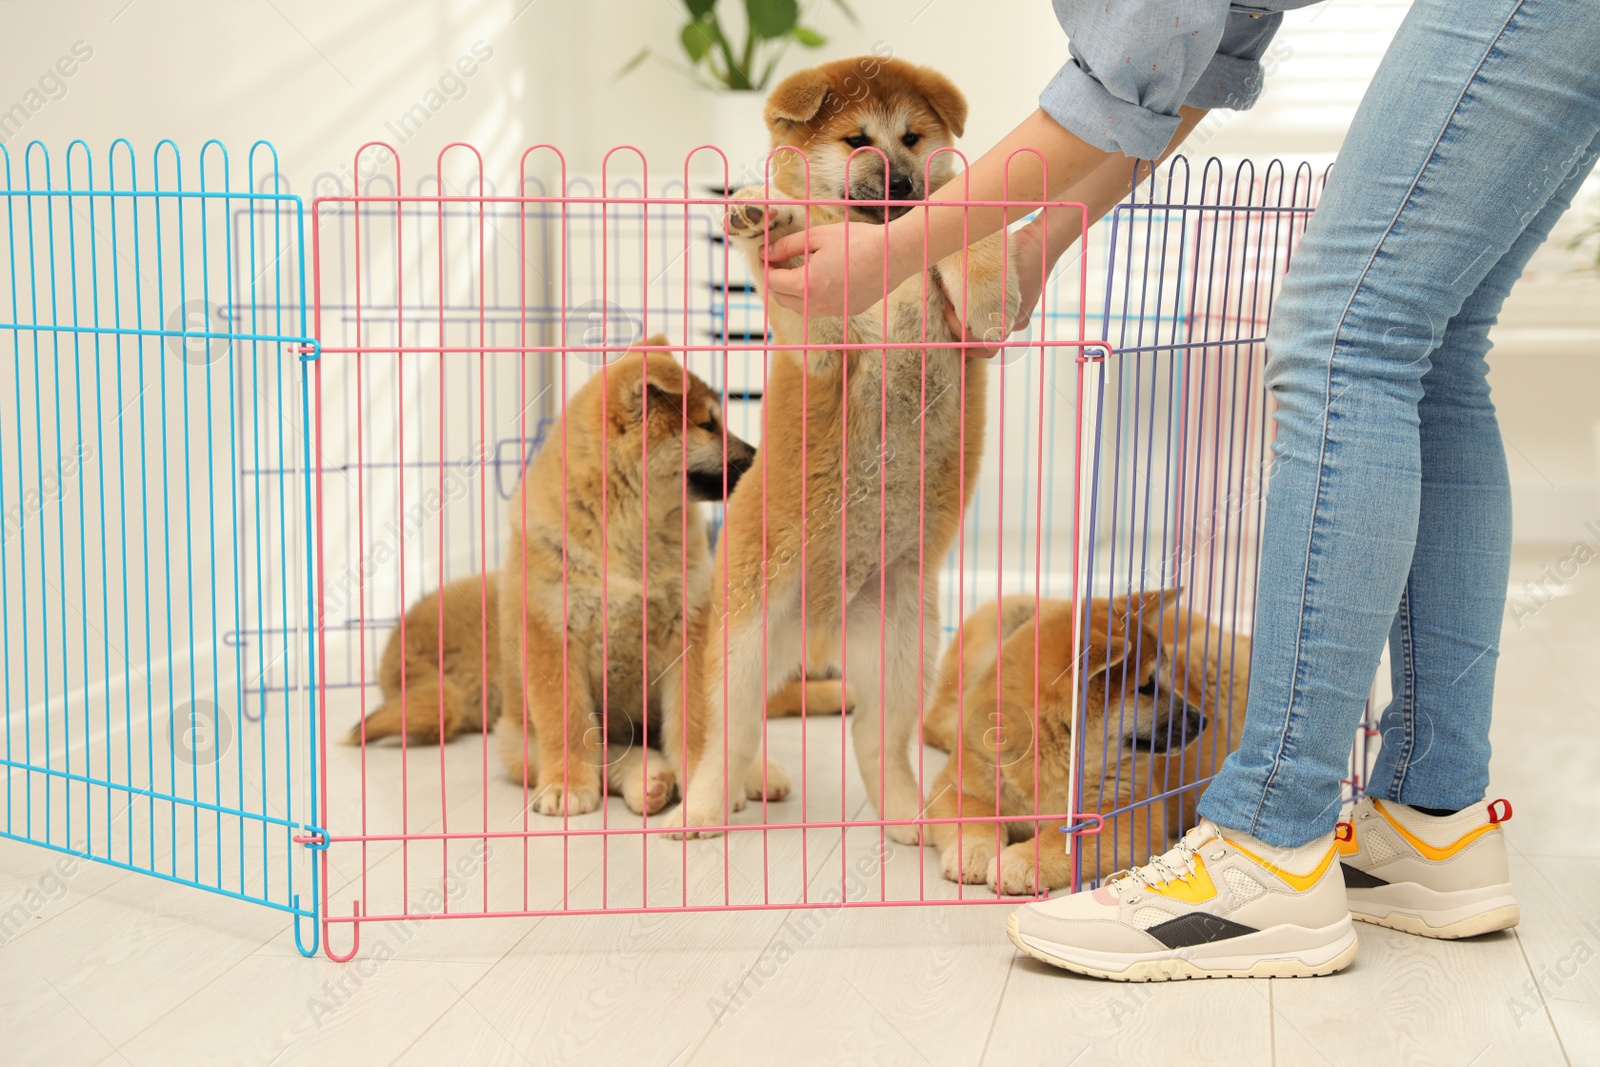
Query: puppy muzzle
{"type": "Point", "coordinates": [1177, 723]}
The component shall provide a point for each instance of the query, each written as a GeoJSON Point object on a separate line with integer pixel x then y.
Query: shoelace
{"type": "Point", "coordinates": [1172, 865]}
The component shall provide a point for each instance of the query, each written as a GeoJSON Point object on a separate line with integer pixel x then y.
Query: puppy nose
{"type": "Point", "coordinates": [899, 187]}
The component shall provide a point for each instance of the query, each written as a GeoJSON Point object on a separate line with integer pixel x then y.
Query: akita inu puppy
{"type": "Point", "coordinates": [617, 619]}
{"type": "Point", "coordinates": [481, 649]}
{"type": "Point", "coordinates": [870, 455]}
{"type": "Point", "coordinates": [1163, 704]}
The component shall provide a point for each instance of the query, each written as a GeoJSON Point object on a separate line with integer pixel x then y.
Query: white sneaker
{"type": "Point", "coordinates": [1435, 875]}
{"type": "Point", "coordinates": [1218, 905]}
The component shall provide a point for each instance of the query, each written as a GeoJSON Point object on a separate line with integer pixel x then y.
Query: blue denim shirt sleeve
{"type": "Point", "coordinates": [1135, 61]}
{"type": "Point", "coordinates": [1233, 77]}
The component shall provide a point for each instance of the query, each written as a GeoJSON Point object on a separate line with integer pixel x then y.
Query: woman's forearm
{"type": "Point", "coordinates": [1011, 170]}
{"type": "Point", "coordinates": [883, 259]}
{"type": "Point", "coordinates": [1077, 172]}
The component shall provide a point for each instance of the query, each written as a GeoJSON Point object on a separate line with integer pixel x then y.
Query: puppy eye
{"type": "Point", "coordinates": [1149, 688]}
{"type": "Point", "coordinates": [910, 140]}
{"type": "Point", "coordinates": [710, 426]}
{"type": "Point", "coordinates": [859, 140]}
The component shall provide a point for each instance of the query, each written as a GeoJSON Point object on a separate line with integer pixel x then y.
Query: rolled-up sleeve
{"type": "Point", "coordinates": [1134, 62]}
{"type": "Point", "coordinates": [1233, 77]}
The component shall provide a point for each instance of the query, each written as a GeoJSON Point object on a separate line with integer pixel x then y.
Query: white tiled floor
{"type": "Point", "coordinates": [126, 969]}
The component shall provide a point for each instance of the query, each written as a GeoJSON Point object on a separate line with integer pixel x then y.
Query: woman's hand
{"type": "Point", "coordinates": [876, 261]}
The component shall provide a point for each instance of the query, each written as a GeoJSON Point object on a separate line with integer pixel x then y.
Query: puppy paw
{"type": "Point", "coordinates": [777, 785]}
{"type": "Point", "coordinates": [687, 824]}
{"type": "Point", "coordinates": [987, 296]}
{"type": "Point", "coordinates": [573, 800]}
{"type": "Point", "coordinates": [990, 320]}
{"type": "Point", "coordinates": [646, 795]}
{"type": "Point", "coordinates": [1012, 873]}
{"type": "Point", "coordinates": [972, 862]}
{"type": "Point", "coordinates": [753, 214]}
{"type": "Point", "coordinates": [904, 805]}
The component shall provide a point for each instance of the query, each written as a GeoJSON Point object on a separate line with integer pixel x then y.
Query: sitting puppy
{"type": "Point", "coordinates": [605, 597]}
{"type": "Point", "coordinates": [1163, 703]}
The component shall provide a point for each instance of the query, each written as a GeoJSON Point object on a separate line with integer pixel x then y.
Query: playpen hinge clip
{"type": "Point", "coordinates": [306, 350]}
{"type": "Point", "coordinates": [1088, 823]}
{"type": "Point", "coordinates": [315, 838]}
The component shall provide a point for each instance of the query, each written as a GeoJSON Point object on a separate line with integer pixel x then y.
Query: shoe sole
{"type": "Point", "coordinates": [1447, 915]}
{"type": "Point", "coordinates": [1502, 918]}
{"type": "Point", "coordinates": [1170, 968]}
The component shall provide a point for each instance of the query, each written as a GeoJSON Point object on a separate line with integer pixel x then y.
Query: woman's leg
{"type": "Point", "coordinates": [1444, 642]}
{"type": "Point", "coordinates": [1470, 129]}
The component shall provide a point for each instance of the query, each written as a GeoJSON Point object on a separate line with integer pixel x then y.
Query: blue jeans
{"type": "Point", "coordinates": [1389, 510]}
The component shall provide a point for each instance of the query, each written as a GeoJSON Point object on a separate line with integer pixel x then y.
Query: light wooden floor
{"type": "Point", "coordinates": [119, 968]}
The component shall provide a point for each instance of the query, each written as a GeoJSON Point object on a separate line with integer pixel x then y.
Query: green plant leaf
{"type": "Point", "coordinates": [809, 38]}
{"type": "Point", "coordinates": [699, 9]}
{"type": "Point", "coordinates": [633, 64]}
{"type": "Point", "coordinates": [697, 40]}
{"type": "Point", "coordinates": [772, 18]}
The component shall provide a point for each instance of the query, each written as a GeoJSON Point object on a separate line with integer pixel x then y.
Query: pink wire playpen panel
{"type": "Point", "coordinates": [1126, 452]}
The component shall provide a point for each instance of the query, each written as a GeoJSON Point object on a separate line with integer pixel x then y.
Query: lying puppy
{"type": "Point", "coordinates": [573, 605]}
{"type": "Point", "coordinates": [1163, 705]}
{"type": "Point", "coordinates": [440, 670]}
{"type": "Point", "coordinates": [876, 465]}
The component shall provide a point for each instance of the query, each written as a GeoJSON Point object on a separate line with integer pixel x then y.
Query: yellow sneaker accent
{"type": "Point", "coordinates": [1422, 846]}
{"type": "Point", "coordinates": [1196, 887]}
{"type": "Point", "coordinates": [1298, 882]}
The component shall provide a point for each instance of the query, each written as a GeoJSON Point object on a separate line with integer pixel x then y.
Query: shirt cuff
{"type": "Point", "coordinates": [1083, 107]}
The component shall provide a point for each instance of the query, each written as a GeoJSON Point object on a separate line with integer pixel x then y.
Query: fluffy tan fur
{"type": "Point", "coordinates": [482, 649]}
{"type": "Point", "coordinates": [1153, 669]}
{"type": "Point", "coordinates": [440, 669]}
{"type": "Point", "coordinates": [605, 596]}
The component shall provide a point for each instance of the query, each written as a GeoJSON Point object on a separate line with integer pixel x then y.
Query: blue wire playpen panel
{"type": "Point", "coordinates": [157, 356]}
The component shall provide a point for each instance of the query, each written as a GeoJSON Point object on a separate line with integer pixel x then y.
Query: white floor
{"type": "Point", "coordinates": [119, 968]}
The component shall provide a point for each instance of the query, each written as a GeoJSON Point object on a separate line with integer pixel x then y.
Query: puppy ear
{"type": "Point", "coordinates": [1104, 652]}
{"type": "Point", "coordinates": [664, 376]}
{"type": "Point", "coordinates": [1145, 609]}
{"type": "Point", "coordinates": [945, 99]}
{"type": "Point", "coordinates": [797, 99]}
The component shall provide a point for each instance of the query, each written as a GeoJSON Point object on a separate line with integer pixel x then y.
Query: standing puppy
{"type": "Point", "coordinates": [870, 455]}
